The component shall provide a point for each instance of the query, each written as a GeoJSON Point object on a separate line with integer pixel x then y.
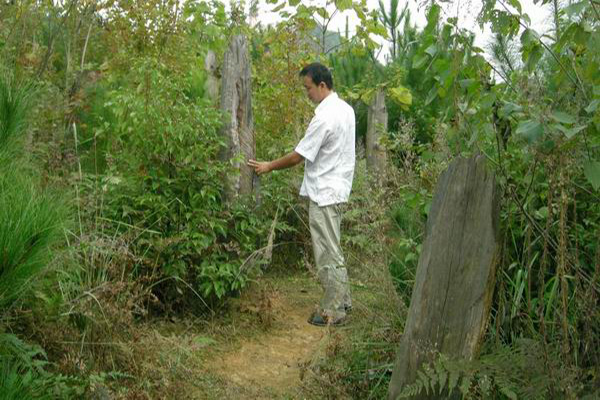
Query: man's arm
{"type": "Point", "coordinates": [287, 161]}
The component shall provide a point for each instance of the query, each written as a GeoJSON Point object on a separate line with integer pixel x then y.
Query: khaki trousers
{"type": "Point", "coordinates": [324, 225]}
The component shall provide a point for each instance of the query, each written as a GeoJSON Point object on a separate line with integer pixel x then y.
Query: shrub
{"type": "Point", "coordinates": [165, 181]}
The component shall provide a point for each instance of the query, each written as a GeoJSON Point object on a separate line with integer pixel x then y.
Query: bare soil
{"type": "Point", "coordinates": [269, 364]}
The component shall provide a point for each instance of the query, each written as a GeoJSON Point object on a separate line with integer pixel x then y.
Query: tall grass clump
{"type": "Point", "coordinates": [29, 218]}
{"type": "Point", "coordinates": [14, 105]}
{"type": "Point", "coordinates": [30, 221]}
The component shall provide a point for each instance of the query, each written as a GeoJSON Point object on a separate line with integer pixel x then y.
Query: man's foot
{"type": "Point", "coordinates": [322, 320]}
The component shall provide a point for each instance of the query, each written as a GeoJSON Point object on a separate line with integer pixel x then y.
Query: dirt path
{"type": "Point", "coordinates": [269, 364]}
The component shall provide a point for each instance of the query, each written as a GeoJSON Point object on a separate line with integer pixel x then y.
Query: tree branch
{"type": "Point", "coordinates": [44, 63]}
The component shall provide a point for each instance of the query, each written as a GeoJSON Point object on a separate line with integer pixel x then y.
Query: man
{"type": "Point", "coordinates": [327, 150]}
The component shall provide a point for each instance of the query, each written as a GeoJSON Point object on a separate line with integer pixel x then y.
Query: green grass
{"type": "Point", "coordinates": [30, 222]}
{"type": "Point", "coordinates": [14, 106]}
{"type": "Point", "coordinates": [29, 218]}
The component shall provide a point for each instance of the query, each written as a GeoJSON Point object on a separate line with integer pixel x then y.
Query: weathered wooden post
{"type": "Point", "coordinates": [377, 122]}
{"type": "Point", "coordinates": [238, 129]}
{"type": "Point", "coordinates": [452, 296]}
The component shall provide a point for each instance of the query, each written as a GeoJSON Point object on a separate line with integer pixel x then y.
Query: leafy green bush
{"type": "Point", "coordinates": [408, 216]}
{"type": "Point", "coordinates": [165, 180]}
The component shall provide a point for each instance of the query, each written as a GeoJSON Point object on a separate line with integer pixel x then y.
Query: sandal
{"type": "Point", "coordinates": [318, 319]}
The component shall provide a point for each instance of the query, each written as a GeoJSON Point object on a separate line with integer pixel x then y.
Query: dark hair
{"type": "Point", "coordinates": [318, 73]}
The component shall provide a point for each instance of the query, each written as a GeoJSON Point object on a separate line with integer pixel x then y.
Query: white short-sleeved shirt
{"type": "Point", "coordinates": [328, 150]}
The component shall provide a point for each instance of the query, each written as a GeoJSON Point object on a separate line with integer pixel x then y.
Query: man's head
{"type": "Point", "coordinates": [317, 81]}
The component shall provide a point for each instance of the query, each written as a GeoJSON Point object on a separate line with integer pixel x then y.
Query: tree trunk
{"type": "Point", "coordinates": [376, 127]}
{"type": "Point", "coordinates": [238, 129]}
{"type": "Point", "coordinates": [452, 296]}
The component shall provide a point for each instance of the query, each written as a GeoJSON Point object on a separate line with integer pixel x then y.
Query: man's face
{"type": "Point", "coordinates": [315, 93]}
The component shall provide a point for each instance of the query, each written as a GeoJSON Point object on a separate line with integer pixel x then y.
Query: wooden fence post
{"type": "Point", "coordinates": [238, 129]}
{"type": "Point", "coordinates": [455, 278]}
{"type": "Point", "coordinates": [377, 122]}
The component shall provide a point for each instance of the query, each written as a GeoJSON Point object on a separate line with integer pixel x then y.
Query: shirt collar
{"type": "Point", "coordinates": [330, 97]}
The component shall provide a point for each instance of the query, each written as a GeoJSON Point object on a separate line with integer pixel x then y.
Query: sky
{"type": "Point", "coordinates": [468, 10]}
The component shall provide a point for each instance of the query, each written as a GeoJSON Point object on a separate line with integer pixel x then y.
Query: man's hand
{"type": "Point", "coordinates": [260, 167]}
{"type": "Point", "coordinates": [287, 161]}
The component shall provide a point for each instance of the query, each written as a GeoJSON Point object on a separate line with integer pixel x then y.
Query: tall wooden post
{"type": "Point", "coordinates": [377, 122]}
{"type": "Point", "coordinates": [238, 129]}
{"type": "Point", "coordinates": [452, 296]}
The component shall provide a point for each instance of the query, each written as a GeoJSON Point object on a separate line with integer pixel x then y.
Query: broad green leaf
{"type": "Point", "coordinates": [359, 12]}
{"type": "Point", "coordinates": [505, 23]}
{"type": "Point", "coordinates": [592, 173]}
{"type": "Point", "coordinates": [532, 57]}
{"type": "Point", "coordinates": [377, 29]}
{"type": "Point", "coordinates": [433, 17]}
{"type": "Point", "coordinates": [303, 11]}
{"type": "Point", "coordinates": [322, 12]}
{"type": "Point", "coordinates": [593, 106]}
{"type": "Point", "coordinates": [509, 108]}
{"type": "Point", "coordinates": [530, 130]}
{"type": "Point", "coordinates": [567, 35]}
{"type": "Point", "coordinates": [487, 101]}
{"type": "Point", "coordinates": [569, 132]}
{"type": "Point", "coordinates": [294, 3]}
{"type": "Point", "coordinates": [431, 50]}
{"type": "Point", "coordinates": [529, 36]}
{"type": "Point", "coordinates": [401, 95]}
{"type": "Point", "coordinates": [516, 5]}
{"type": "Point", "coordinates": [419, 61]}
{"type": "Point", "coordinates": [367, 96]}
{"type": "Point", "coordinates": [443, 68]}
{"type": "Point", "coordinates": [563, 117]}
{"type": "Point", "coordinates": [343, 5]}
{"type": "Point", "coordinates": [581, 34]}
{"type": "Point", "coordinates": [576, 8]}
{"type": "Point", "coordinates": [433, 93]}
